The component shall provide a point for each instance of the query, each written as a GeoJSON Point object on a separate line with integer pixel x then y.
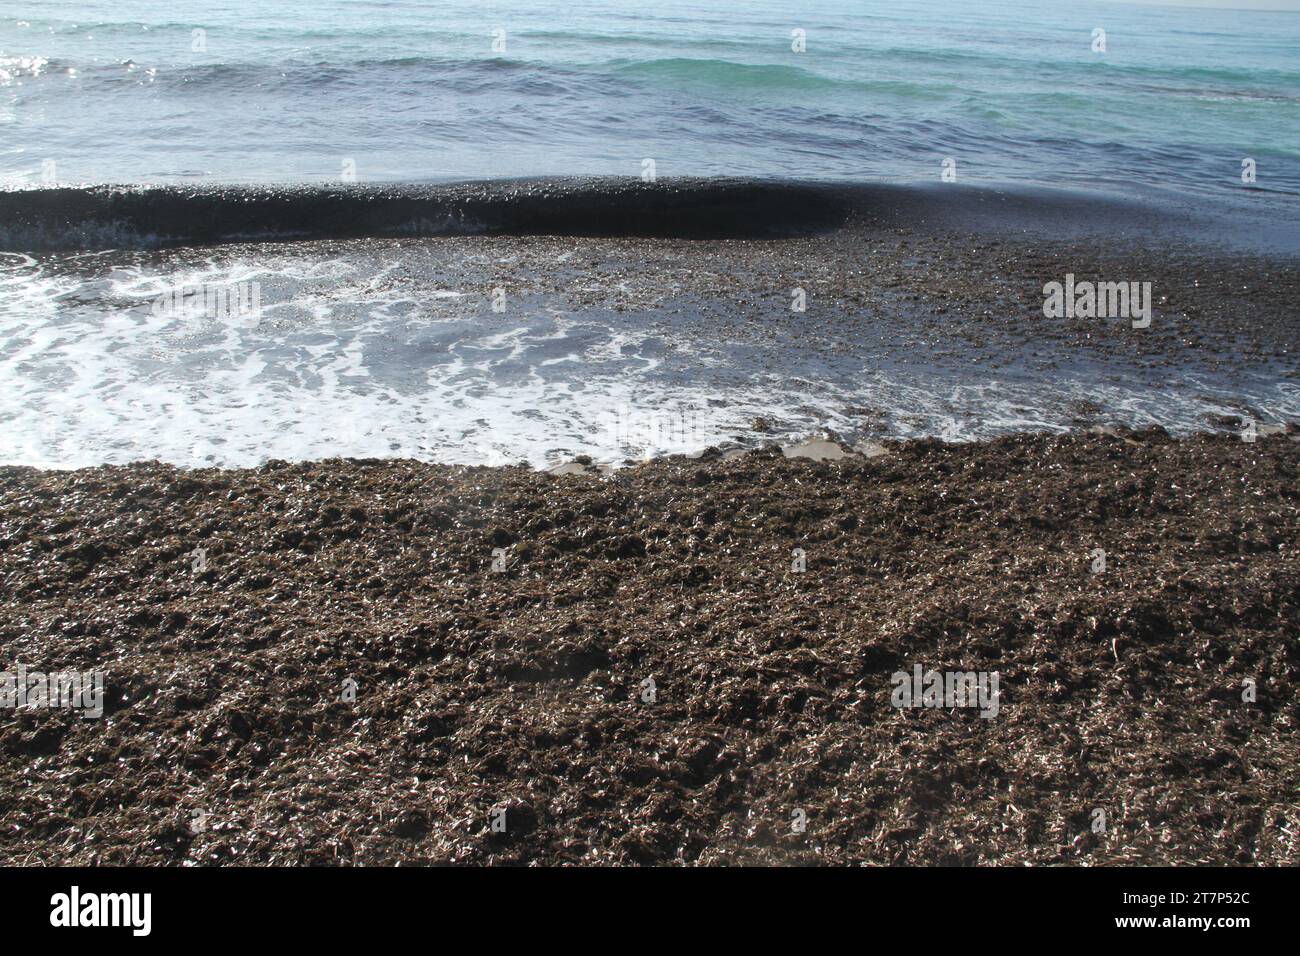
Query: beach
{"type": "Point", "coordinates": [819, 538]}
{"type": "Point", "coordinates": [860, 434]}
{"type": "Point", "coordinates": [524, 689]}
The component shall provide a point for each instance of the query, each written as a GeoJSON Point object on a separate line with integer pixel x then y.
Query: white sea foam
{"type": "Point", "coordinates": [349, 359]}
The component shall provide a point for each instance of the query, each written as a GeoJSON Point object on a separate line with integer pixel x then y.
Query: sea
{"type": "Point", "coordinates": [1190, 107]}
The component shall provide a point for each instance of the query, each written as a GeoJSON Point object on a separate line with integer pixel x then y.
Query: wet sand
{"type": "Point", "coordinates": [226, 738]}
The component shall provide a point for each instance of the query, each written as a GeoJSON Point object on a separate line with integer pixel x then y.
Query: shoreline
{"type": "Point", "coordinates": [524, 689]}
{"type": "Point", "coordinates": [496, 349]}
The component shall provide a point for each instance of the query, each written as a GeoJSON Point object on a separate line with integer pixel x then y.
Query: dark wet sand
{"type": "Point", "coordinates": [1120, 691]}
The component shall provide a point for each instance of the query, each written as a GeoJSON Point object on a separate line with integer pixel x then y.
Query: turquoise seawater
{"type": "Point", "coordinates": [1011, 92]}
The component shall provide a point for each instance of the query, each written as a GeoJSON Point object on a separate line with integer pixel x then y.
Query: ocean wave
{"type": "Point", "coordinates": [113, 217]}
{"type": "Point", "coordinates": [406, 76]}
{"type": "Point", "coordinates": [726, 73]}
{"type": "Point", "coordinates": [116, 216]}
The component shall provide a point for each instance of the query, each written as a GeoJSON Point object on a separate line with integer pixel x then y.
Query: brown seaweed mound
{"type": "Point", "coordinates": [226, 737]}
